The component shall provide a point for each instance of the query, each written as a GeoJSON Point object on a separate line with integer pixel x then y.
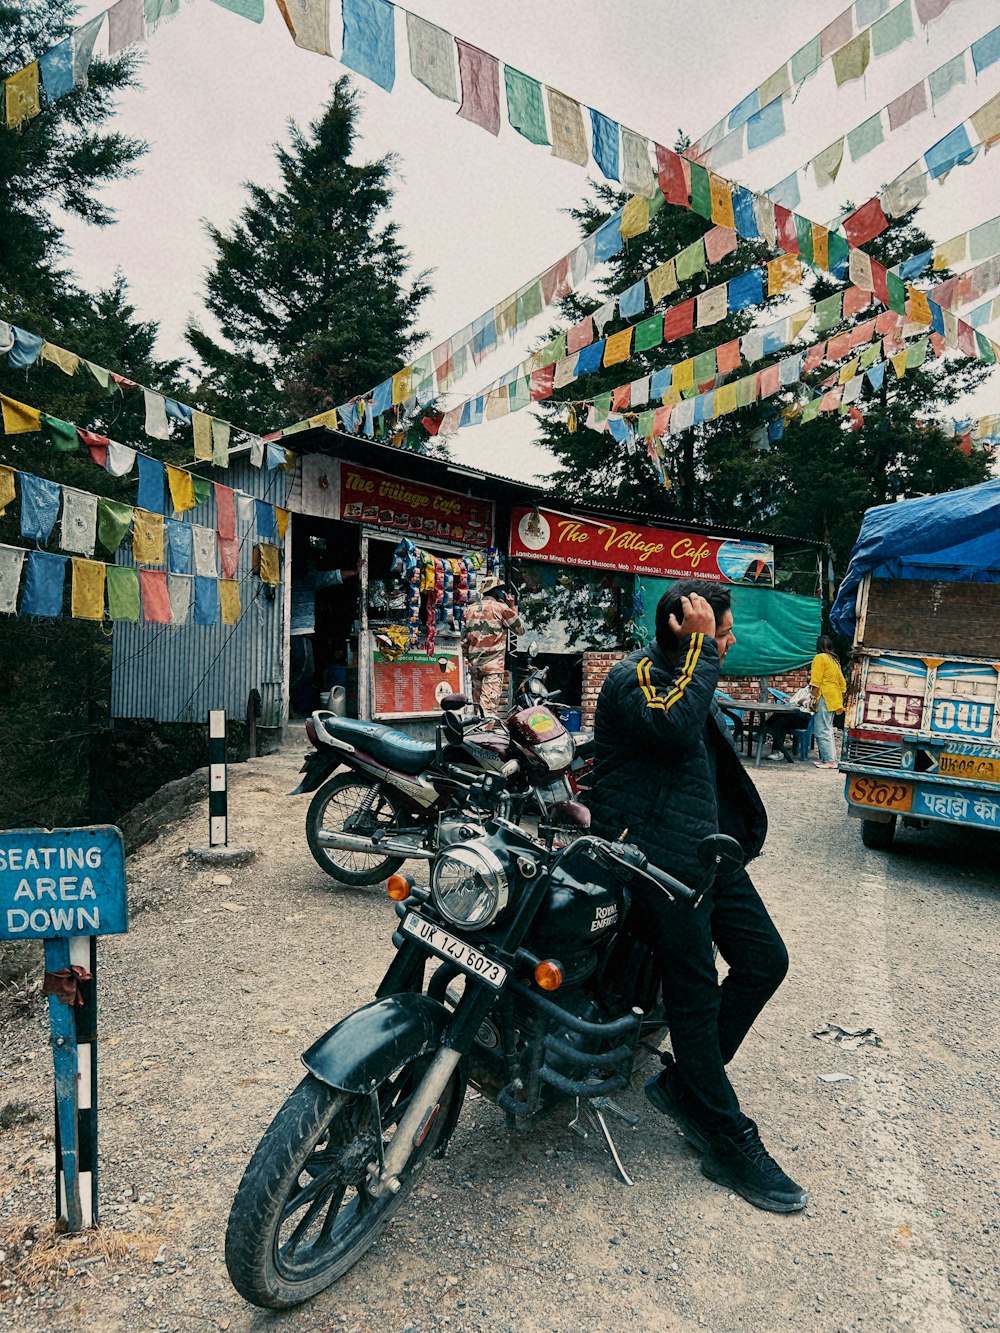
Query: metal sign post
{"type": "Point", "coordinates": [218, 807]}
{"type": "Point", "coordinates": [66, 887]}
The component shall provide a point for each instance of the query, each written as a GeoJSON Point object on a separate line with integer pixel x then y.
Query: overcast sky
{"type": "Point", "coordinates": [487, 214]}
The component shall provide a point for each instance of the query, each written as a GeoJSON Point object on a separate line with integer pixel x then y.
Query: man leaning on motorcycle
{"type": "Point", "coordinates": [666, 771]}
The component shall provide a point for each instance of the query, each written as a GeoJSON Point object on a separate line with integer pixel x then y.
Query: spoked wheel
{"type": "Point", "coordinates": [302, 1215]}
{"type": "Point", "coordinates": [349, 804]}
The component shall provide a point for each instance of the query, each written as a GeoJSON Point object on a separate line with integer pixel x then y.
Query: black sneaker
{"type": "Point", "coordinates": [743, 1164]}
{"type": "Point", "coordinates": [666, 1094]}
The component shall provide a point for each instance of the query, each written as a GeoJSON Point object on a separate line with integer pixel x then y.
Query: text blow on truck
{"type": "Point", "coordinates": [921, 600]}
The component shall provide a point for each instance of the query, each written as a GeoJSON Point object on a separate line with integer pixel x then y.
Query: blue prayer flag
{"type": "Point", "coordinates": [370, 40]}
{"type": "Point", "coordinates": [937, 316]}
{"type": "Point", "coordinates": [39, 506]}
{"type": "Point", "coordinates": [747, 289]}
{"type": "Point", "coordinates": [275, 457]}
{"type": "Point", "coordinates": [382, 398]}
{"type": "Point", "coordinates": [43, 587]}
{"type": "Point", "coordinates": [632, 302]}
{"type": "Point", "coordinates": [876, 375]}
{"type": "Point", "coordinates": [775, 429]}
{"type": "Point", "coordinates": [56, 68]}
{"type": "Point", "coordinates": [26, 348]}
{"type": "Point", "coordinates": [619, 429]}
{"type": "Point", "coordinates": [178, 411]}
{"type": "Point", "coordinates": [151, 479]}
{"type": "Point", "coordinates": [608, 239]}
{"type": "Point", "coordinates": [704, 407]}
{"type": "Point", "coordinates": [466, 418]}
{"type": "Point", "coordinates": [786, 192]}
{"type": "Point", "coordinates": [775, 338]}
{"type": "Point", "coordinates": [206, 601]}
{"type": "Point", "coordinates": [766, 125]}
{"type": "Point", "coordinates": [605, 136]}
{"type": "Point", "coordinates": [951, 151]}
{"type": "Point", "coordinates": [986, 51]}
{"type": "Point", "coordinates": [660, 381]}
{"type": "Point", "coordinates": [746, 221]}
{"type": "Point", "coordinates": [266, 530]}
{"type": "Point", "coordinates": [179, 537]}
{"type": "Point", "coordinates": [915, 264]}
{"type": "Point", "coordinates": [368, 426]}
{"type": "Point", "coordinates": [590, 358]}
{"type": "Point", "coordinates": [741, 113]}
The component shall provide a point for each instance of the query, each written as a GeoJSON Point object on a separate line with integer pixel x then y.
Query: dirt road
{"type": "Point", "coordinates": [208, 1000]}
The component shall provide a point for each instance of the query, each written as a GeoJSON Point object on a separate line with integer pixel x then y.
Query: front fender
{"type": "Point", "coordinates": [371, 1045]}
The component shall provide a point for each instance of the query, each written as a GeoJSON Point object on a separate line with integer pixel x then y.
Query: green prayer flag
{"type": "Point", "coordinates": [553, 351]}
{"type": "Point", "coordinates": [519, 394]}
{"type": "Point", "coordinates": [247, 9]}
{"type": "Point", "coordinates": [61, 434]}
{"type": "Point", "coordinates": [892, 29]}
{"type": "Point", "coordinates": [916, 354]}
{"type": "Point", "coordinates": [123, 592]}
{"type": "Point", "coordinates": [202, 489]}
{"type": "Point", "coordinates": [525, 108]}
{"type": "Point", "coordinates": [807, 60]}
{"type": "Point", "coordinates": [986, 352]}
{"type": "Point", "coordinates": [103, 377]}
{"type": "Point", "coordinates": [602, 406]}
{"type": "Point", "coordinates": [529, 302]}
{"type": "Point", "coordinates": [649, 334]}
{"type": "Point", "coordinates": [984, 240]}
{"type": "Point", "coordinates": [158, 10]}
{"type": "Point", "coordinates": [701, 191]}
{"type": "Point", "coordinates": [828, 312]}
{"type": "Point", "coordinates": [897, 293]}
{"type": "Point", "coordinates": [113, 522]}
{"type": "Point", "coordinates": [656, 203]}
{"type": "Point", "coordinates": [705, 366]}
{"type": "Point", "coordinates": [837, 251]}
{"type": "Point", "coordinates": [644, 425]}
{"type": "Point", "coordinates": [746, 390]}
{"type": "Point", "coordinates": [804, 233]}
{"type": "Point", "coordinates": [811, 409]}
{"type": "Point", "coordinates": [866, 136]}
{"type": "Point", "coordinates": [691, 260]}
{"type": "Point", "coordinates": [869, 356]}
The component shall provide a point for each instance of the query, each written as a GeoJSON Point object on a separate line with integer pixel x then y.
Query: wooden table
{"type": "Point", "coordinates": [754, 713]}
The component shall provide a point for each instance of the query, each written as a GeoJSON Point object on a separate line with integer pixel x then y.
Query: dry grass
{"type": "Point", "coordinates": [43, 1255]}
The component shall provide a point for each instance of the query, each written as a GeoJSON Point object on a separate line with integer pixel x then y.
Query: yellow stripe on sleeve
{"type": "Point", "coordinates": [666, 701]}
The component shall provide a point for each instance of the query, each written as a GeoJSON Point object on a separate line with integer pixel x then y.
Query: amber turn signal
{"type": "Point", "coordinates": [398, 887]}
{"type": "Point", "coordinates": [548, 975]}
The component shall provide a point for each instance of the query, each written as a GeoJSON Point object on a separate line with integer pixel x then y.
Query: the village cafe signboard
{"type": "Point", "coordinates": [632, 548]}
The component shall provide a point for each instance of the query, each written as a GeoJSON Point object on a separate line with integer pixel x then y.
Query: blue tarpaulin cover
{"type": "Point", "coordinates": [954, 537]}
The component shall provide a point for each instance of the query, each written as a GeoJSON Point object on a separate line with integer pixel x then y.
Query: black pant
{"type": "Point", "coordinates": [708, 1021]}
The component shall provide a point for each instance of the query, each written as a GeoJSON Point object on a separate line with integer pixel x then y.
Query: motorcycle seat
{"type": "Point", "coordinates": [386, 745]}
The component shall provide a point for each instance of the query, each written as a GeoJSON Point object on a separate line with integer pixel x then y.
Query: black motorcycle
{"type": "Point", "coordinates": [516, 973]}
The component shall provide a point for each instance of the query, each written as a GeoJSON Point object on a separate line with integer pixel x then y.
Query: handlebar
{"type": "Point", "coordinates": [628, 857]}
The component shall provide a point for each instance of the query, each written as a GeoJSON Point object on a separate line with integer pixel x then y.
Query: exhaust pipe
{"type": "Point", "coordinates": [353, 842]}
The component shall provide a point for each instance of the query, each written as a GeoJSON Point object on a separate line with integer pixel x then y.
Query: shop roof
{"type": "Point", "coordinates": [492, 486]}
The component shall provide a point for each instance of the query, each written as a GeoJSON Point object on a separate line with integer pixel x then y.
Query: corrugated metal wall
{"type": "Point", "coordinates": [176, 673]}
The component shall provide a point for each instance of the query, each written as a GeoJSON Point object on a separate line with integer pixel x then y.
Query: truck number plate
{"type": "Point", "coordinates": [969, 766]}
{"type": "Point", "coordinates": [454, 950]}
{"type": "Point", "coordinates": [880, 794]}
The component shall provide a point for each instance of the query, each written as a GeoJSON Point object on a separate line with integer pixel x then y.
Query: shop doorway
{"type": "Point", "coordinates": [324, 616]}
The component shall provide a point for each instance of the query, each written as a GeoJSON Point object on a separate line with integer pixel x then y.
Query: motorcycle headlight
{"type": "Point", "coordinates": [469, 886]}
{"type": "Point", "coordinates": [557, 754]}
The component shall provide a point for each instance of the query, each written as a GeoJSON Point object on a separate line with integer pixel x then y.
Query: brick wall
{"type": "Point", "coordinates": [597, 665]}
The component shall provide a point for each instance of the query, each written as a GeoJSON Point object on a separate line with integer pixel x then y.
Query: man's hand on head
{"type": "Point", "coordinates": [697, 617]}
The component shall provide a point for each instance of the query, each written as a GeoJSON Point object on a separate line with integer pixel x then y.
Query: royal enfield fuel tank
{"type": "Point", "coordinates": [578, 912]}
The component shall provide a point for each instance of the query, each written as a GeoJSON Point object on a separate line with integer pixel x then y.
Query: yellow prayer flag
{"type": "Point", "coordinates": [950, 253]}
{"type": "Point", "coordinates": [721, 193]}
{"type": "Point", "coordinates": [401, 385]}
{"type": "Point", "coordinates": [725, 399]}
{"type": "Point", "coordinates": [635, 217]}
{"type": "Point", "coordinates": [87, 599]}
{"type": "Point", "coordinates": [798, 321]}
{"type": "Point", "coordinates": [181, 486]}
{"type": "Point", "coordinates": [899, 364]}
{"type": "Point", "coordinates": [18, 417]}
{"type": "Point", "coordinates": [7, 491]}
{"type": "Point", "coordinates": [662, 281]}
{"type": "Point", "coordinates": [783, 273]}
{"type": "Point", "coordinates": [920, 310]}
{"type": "Point", "coordinates": [618, 347]}
{"type": "Point", "coordinates": [848, 370]}
{"type": "Point", "coordinates": [986, 122]}
{"type": "Point", "coordinates": [505, 315]}
{"type": "Point", "coordinates": [21, 99]}
{"type": "Point", "coordinates": [68, 362]}
{"type": "Point", "coordinates": [147, 538]}
{"type": "Point", "coordinates": [270, 567]}
{"type": "Point", "coordinates": [325, 419]}
{"type": "Point", "coordinates": [821, 246]}
{"type": "Point", "coordinates": [281, 517]}
{"type": "Point", "coordinates": [673, 394]}
{"type": "Point", "coordinates": [202, 424]}
{"type": "Point", "coordinates": [220, 442]}
{"type": "Point", "coordinates": [683, 376]}
{"type": "Point", "coordinates": [229, 601]}
{"type": "Point", "coordinates": [291, 459]}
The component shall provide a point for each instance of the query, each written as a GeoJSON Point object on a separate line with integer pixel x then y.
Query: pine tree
{"type": "Point", "coordinates": [309, 288]}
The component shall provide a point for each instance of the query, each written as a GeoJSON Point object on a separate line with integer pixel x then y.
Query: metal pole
{"type": "Point", "coordinates": [218, 810]}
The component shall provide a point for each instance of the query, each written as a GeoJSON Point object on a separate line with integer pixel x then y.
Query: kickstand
{"type": "Point", "coordinates": [592, 1112]}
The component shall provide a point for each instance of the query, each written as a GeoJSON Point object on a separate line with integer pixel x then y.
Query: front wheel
{"type": "Point", "coordinates": [349, 804]}
{"type": "Point", "coordinates": [302, 1215]}
{"type": "Point", "coordinates": [878, 836]}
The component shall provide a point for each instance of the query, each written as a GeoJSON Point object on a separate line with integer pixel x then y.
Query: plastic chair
{"type": "Point", "coordinates": [804, 739]}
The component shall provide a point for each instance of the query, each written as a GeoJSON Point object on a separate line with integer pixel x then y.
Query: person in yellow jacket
{"type": "Point", "coordinates": [827, 684]}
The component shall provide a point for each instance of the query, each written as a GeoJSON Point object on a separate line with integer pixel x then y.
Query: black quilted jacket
{"type": "Point", "coordinates": [665, 768]}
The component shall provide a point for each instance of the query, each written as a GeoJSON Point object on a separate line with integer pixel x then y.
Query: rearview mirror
{"type": "Point", "coordinates": [533, 648]}
{"type": "Point", "coordinates": [722, 852]}
{"type": "Point", "coordinates": [451, 703]}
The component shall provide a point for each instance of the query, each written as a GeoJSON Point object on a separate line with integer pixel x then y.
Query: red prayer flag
{"type": "Point", "coordinates": [661, 417]}
{"type": "Point", "coordinates": [865, 223]}
{"type": "Point", "coordinates": [965, 445]}
{"type": "Point", "coordinates": [938, 344]}
{"type": "Point", "coordinates": [155, 598]}
{"type": "Point", "coordinates": [838, 347]}
{"type": "Point", "coordinates": [432, 424]}
{"type": "Point", "coordinates": [679, 321]}
{"type": "Point", "coordinates": [857, 418]}
{"type": "Point", "coordinates": [856, 299]}
{"type": "Point", "coordinates": [480, 75]}
{"type": "Point", "coordinates": [814, 357]}
{"type": "Point", "coordinates": [621, 397]}
{"type": "Point", "coordinates": [225, 509]}
{"type": "Point", "coordinates": [863, 333]}
{"type": "Point", "coordinates": [674, 175]}
{"type": "Point", "coordinates": [556, 282]}
{"type": "Point", "coordinates": [229, 554]}
{"type": "Point", "coordinates": [541, 383]}
{"type": "Point", "coordinates": [96, 444]}
{"type": "Point", "coordinates": [729, 357]}
{"type": "Point", "coordinates": [787, 234]}
{"type": "Point", "coordinates": [769, 381]}
{"type": "Point", "coordinates": [967, 339]}
{"type": "Point", "coordinates": [880, 282]}
{"type": "Point", "coordinates": [580, 335]}
{"type": "Point", "coordinates": [886, 321]}
{"type": "Point", "coordinates": [831, 401]}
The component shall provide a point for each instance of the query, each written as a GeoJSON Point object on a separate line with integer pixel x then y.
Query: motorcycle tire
{"type": "Point", "coordinates": [358, 868]}
{"type": "Point", "coordinates": [302, 1216]}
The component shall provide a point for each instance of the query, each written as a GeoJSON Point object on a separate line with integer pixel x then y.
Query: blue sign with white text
{"type": "Point", "coordinates": [58, 883]}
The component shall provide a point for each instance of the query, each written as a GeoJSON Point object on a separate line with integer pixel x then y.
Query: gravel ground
{"type": "Point", "coordinates": [207, 1002]}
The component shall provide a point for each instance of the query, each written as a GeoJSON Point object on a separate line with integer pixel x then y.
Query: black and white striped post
{"type": "Point", "coordinates": [76, 1179]}
{"type": "Point", "coordinates": [218, 802]}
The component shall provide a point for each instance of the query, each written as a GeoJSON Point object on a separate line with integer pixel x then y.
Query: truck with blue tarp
{"type": "Point", "coordinates": [921, 603]}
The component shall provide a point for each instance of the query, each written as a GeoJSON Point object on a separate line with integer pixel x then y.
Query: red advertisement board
{"type": "Point", "coordinates": [414, 683]}
{"type": "Point", "coordinates": [635, 548]}
{"type": "Point", "coordinates": [421, 513]}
